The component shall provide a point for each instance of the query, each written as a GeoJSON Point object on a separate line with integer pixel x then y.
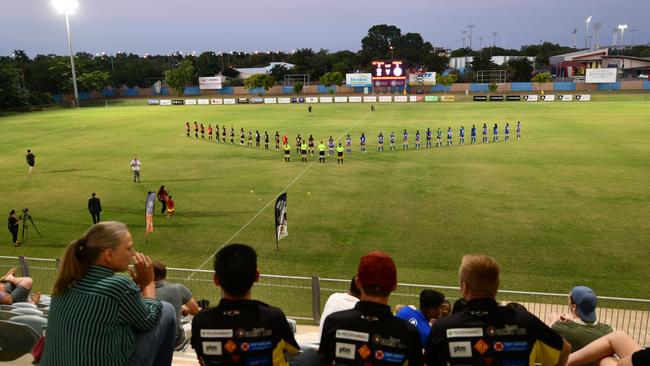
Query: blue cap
{"type": "Point", "coordinates": [585, 300]}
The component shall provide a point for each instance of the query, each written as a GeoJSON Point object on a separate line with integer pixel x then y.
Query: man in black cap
{"type": "Point", "coordinates": [94, 207]}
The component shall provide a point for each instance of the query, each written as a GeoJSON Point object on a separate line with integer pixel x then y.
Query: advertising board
{"type": "Point", "coordinates": [216, 101]}
{"type": "Point", "coordinates": [547, 98]}
{"type": "Point", "coordinates": [153, 102]}
{"type": "Point", "coordinates": [284, 100]}
{"type": "Point", "coordinates": [385, 98]}
{"type": "Point", "coordinates": [372, 99]}
{"type": "Point", "coordinates": [203, 101]}
{"type": "Point", "coordinates": [431, 98]}
{"type": "Point", "coordinates": [353, 80]}
{"type": "Point", "coordinates": [210, 82]}
{"type": "Point", "coordinates": [447, 98]}
{"type": "Point", "coordinates": [178, 102]}
{"type": "Point", "coordinates": [165, 102]}
{"type": "Point", "coordinates": [531, 98]}
{"type": "Point", "coordinates": [355, 99]}
{"type": "Point", "coordinates": [424, 78]}
{"type": "Point", "coordinates": [340, 99]}
{"type": "Point", "coordinates": [270, 100]}
{"type": "Point", "coordinates": [565, 98]}
{"type": "Point", "coordinates": [513, 97]}
{"type": "Point", "coordinates": [583, 97]}
{"type": "Point", "coordinates": [596, 76]}
{"type": "Point", "coordinates": [311, 99]}
{"type": "Point", "coordinates": [401, 99]}
{"type": "Point", "coordinates": [229, 101]}
{"type": "Point", "coordinates": [190, 101]}
{"type": "Point", "coordinates": [326, 99]}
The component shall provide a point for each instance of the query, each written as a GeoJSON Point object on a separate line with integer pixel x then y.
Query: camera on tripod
{"type": "Point", "coordinates": [27, 219]}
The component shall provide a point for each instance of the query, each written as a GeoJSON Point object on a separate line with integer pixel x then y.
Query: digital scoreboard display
{"type": "Point", "coordinates": [388, 73]}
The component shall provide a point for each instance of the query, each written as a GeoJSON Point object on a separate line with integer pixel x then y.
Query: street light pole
{"type": "Point", "coordinates": [67, 7]}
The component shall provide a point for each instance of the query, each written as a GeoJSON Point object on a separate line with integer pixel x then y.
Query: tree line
{"type": "Point", "coordinates": [28, 81]}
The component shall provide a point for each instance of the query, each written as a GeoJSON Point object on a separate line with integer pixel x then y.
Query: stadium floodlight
{"type": "Point", "coordinates": [470, 27]}
{"type": "Point", "coordinates": [622, 28]}
{"type": "Point", "coordinates": [68, 7]}
{"type": "Point", "coordinates": [587, 21]}
{"type": "Point", "coordinates": [597, 27]}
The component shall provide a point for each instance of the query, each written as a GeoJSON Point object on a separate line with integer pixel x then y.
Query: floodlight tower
{"type": "Point", "coordinates": [494, 39]}
{"type": "Point", "coordinates": [480, 43]}
{"type": "Point", "coordinates": [587, 21]}
{"type": "Point", "coordinates": [68, 7]}
{"type": "Point", "coordinates": [597, 27]}
{"type": "Point", "coordinates": [470, 27]}
{"type": "Point", "coordinates": [622, 28]}
{"type": "Point", "coordinates": [464, 32]}
{"type": "Point", "coordinates": [614, 37]}
{"type": "Point", "coordinates": [632, 35]}
{"type": "Point", "coordinates": [573, 38]}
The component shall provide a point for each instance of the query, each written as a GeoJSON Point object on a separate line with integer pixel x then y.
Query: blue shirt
{"type": "Point", "coordinates": [380, 138]}
{"type": "Point", "coordinates": [428, 134]}
{"type": "Point", "coordinates": [462, 132]}
{"type": "Point", "coordinates": [473, 131]}
{"type": "Point", "coordinates": [417, 319]}
{"type": "Point", "coordinates": [363, 139]}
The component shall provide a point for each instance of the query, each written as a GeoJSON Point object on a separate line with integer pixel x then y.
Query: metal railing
{"type": "Point", "coordinates": [302, 298]}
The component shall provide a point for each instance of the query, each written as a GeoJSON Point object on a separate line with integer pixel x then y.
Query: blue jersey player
{"type": "Point", "coordinates": [380, 142]}
{"type": "Point", "coordinates": [405, 140]}
{"type": "Point", "coordinates": [362, 142]}
{"type": "Point", "coordinates": [417, 139]}
{"type": "Point", "coordinates": [485, 136]}
{"type": "Point", "coordinates": [473, 134]}
{"type": "Point", "coordinates": [330, 144]}
{"type": "Point", "coordinates": [450, 140]}
{"type": "Point", "coordinates": [461, 134]}
{"type": "Point", "coordinates": [392, 141]}
{"type": "Point", "coordinates": [348, 145]}
{"type": "Point", "coordinates": [506, 131]}
{"type": "Point", "coordinates": [428, 137]}
{"type": "Point", "coordinates": [495, 133]}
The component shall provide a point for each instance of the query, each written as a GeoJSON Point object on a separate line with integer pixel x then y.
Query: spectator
{"type": "Point", "coordinates": [614, 349]}
{"type": "Point", "coordinates": [340, 301]}
{"type": "Point", "coordinates": [445, 309]}
{"type": "Point", "coordinates": [240, 330]}
{"type": "Point", "coordinates": [580, 327]}
{"type": "Point", "coordinates": [94, 207]}
{"type": "Point", "coordinates": [16, 289]}
{"type": "Point", "coordinates": [369, 334]}
{"type": "Point", "coordinates": [135, 167]}
{"type": "Point", "coordinates": [177, 295]}
{"type": "Point", "coordinates": [98, 318]}
{"type": "Point", "coordinates": [170, 207]}
{"type": "Point", "coordinates": [487, 333]}
{"type": "Point", "coordinates": [162, 196]}
{"type": "Point", "coordinates": [430, 304]}
{"type": "Point", "coordinates": [12, 224]}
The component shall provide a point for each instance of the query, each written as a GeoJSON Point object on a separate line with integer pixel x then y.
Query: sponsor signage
{"type": "Point", "coordinates": [256, 100]}
{"type": "Point", "coordinates": [513, 97]}
{"type": "Point", "coordinates": [598, 76]}
{"type": "Point", "coordinates": [326, 99]}
{"type": "Point", "coordinates": [340, 99]}
{"type": "Point", "coordinates": [547, 98]}
{"type": "Point", "coordinates": [216, 101]}
{"type": "Point", "coordinates": [353, 80]}
{"type": "Point", "coordinates": [284, 100]}
{"type": "Point", "coordinates": [311, 99]}
{"type": "Point", "coordinates": [480, 98]}
{"type": "Point", "coordinates": [153, 102]}
{"type": "Point", "coordinates": [401, 98]}
{"type": "Point", "coordinates": [388, 83]}
{"type": "Point", "coordinates": [203, 101]}
{"type": "Point", "coordinates": [270, 100]}
{"type": "Point", "coordinates": [372, 99]}
{"type": "Point", "coordinates": [385, 98]}
{"type": "Point", "coordinates": [447, 98]}
{"type": "Point", "coordinates": [431, 98]}
{"type": "Point", "coordinates": [425, 78]}
{"type": "Point", "coordinates": [210, 82]}
{"type": "Point", "coordinates": [165, 102]}
{"type": "Point", "coordinates": [178, 102]}
{"type": "Point", "coordinates": [190, 101]}
{"type": "Point", "coordinates": [243, 101]}
{"type": "Point", "coordinates": [565, 98]}
{"type": "Point", "coordinates": [413, 98]}
{"type": "Point", "coordinates": [531, 98]}
{"type": "Point", "coordinates": [229, 101]}
{"type": "Point", "coordinates": [583, 97]}
{"type": "Point", "coordinates": [498, 98]}
{"type": "Point", "coordinates": [355, 99]}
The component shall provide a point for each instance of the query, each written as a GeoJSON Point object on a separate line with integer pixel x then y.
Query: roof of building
{"type": "Point", "coordinates": [263, 70]}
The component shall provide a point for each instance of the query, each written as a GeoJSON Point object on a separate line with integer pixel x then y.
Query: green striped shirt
{"type": "Point", "coordinates": [95, 322]}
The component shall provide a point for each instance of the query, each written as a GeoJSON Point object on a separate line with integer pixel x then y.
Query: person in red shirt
{"type": "Point", "coordinates": [209, 132]}
{"type": "Point", "coordinates": [285, 139]}
{"type": "Point", "coordinates": [170, 206]}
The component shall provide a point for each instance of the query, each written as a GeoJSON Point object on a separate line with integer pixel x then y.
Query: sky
{"type": "Point", "coordinates": [166, 26]}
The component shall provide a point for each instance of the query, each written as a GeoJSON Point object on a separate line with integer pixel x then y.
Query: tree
{"type": "Point", "coordinates": [230, 72]}
{"type": "Point", "coordinates": [376, 45]}
{"type": "Point", "coordinates": [332, 78]}
{"type": "Point", "coordinates": [483, 61]}
{"type": "Point", "coordinates": [12, 93]}
{"type": "Point", "coordinates": [259, 81]}
{"type": "Point", "coordinates": [94, 80]}
{"type": "Point", "coordinates": [180, 76]}
{"type": "Point", "coordinates": [278, 72]}
{"type": "Point", "coordinates": [436, 62]}
{"type": "Point", "coordinates": [493, 87]}
{"type": "Point", "coordinates": [297, 87]}
{"type": "Point", "coordinates": [412, 48]}
{"type": "Point", "coordinates": [446, 80]}
{"type": "Point", "coordinates": [520, 69]}
{"type": "Point", "coordinates": [542, 77]}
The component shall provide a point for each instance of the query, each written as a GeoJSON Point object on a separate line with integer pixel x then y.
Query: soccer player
{"type": "Point", "coordinates": [285, 139]}
{"type": "Point", "coordinates": [287, 152]}
{"type": "Point", "coordinates": [202, 132]}
{"type": "Point", "coordinates": [518, 130]}
{"type": "Point", "coordinates": [266, 140]}
{"type": "Point", "coordinates": [223, 133]}
{"type": "Point", "coordinates": [380, 142]}
{"type": "Point", "coordinates": [216, 133]}
{"type": "Point", "coordinates": [257, 139]}
{"type": "Point", "coordinates": [417, 139]}
{"type": "Point", "coordinates": [187, 128]}
{"type": "Point", "coordinates": [250, 138]}
{"type": "Point", "coordinates": [196, 130]}
{"type": "Point", "coordinates": [439, 137]}
{"type": "Point", "coordinates": [309, 109]}
{"type": "Point", "coordinates": [485, 137]}
{"type": "Point", "coordinates": [362, 142]}
{"type": "Point", "coordinates": [405, 140]}
{"type": "Point", "coordinates": [392, 141]}
{"type": "Point", "coordinates": [277, 141]}
{"type": "Point", "coordinates": [450, 140]}
{"type": "Point", "coordinates": [473, 133]}
{"type": "Point", "coordinates": [31, 160]}
{"type": "Point", "coordinates": [321, 152]}
{"type": "Point", "coordinates": [372, 108]}
{"type": "Point", "coordinates": [298, 143]}
{"type": "Point", "coordinates": [348, 145]}
{"type": "Point", "coordinates": [241, 136]}
{"type": "Point", "coordinates": [428, 133]}
{"type": "Point", "coordinates": [232, 135]}
{"type": "Point", "coordinates": [311, 145]}
{"type": "Point", "coordinates": [507, 131]}
{"type": "Point", "coordinates": [330, 143]}
{"type": "Point", "coordinates": [209, 132]}
{"type": "Point", "coordinates": [461, 133]}
{"type": "Point", "coordinates": [495, 133]}
{"type": "Point", "coordinates": [339, 152]}
{"type": "Point", "coordinates": [303, 151]}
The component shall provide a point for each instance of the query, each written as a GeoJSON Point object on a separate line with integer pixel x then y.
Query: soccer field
{"type": "Point", "coordinates": [568, 204]}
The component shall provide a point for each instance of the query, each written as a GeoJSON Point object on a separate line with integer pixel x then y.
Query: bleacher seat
{"type": "Point", "coordinates": [38, 323]}
{"type": "Point", "coordinates": [16, 340]}
{"type": "Point", "coordinates": [7, 314]}
{"type": "Point", "coordinates": [24, 305]}
{"type": "Point", "coordinates": [27, 311]}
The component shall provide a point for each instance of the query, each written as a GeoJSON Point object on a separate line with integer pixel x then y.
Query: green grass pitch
{"type": "Point", "coordinates": [568, 204]}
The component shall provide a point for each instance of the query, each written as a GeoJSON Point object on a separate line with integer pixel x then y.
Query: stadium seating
{"type": "Point", "coordinates": [16, 340]}
{"type": "Point", "coordinates": [6, 314]}
{"type": "Point", "coordinates": [23, 305]}
{"type": "Point", "coordinates": [38, 323]}
{"type": "Point", "coordinates": [27, 311]}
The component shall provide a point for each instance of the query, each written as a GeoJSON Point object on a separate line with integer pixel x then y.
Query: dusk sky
{"type": "Point", "coordinates": [165, 26]}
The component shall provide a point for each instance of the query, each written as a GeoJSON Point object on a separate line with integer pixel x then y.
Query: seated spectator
{"type": "Point", "coordinates": [369, 334]}
{"type": "Point", "coordinates": [486, 333]}
{"type": "Point", "coordinates": [99, 318]}
{"type": "Point", "coordinates": [445, 309]}
{"type": "Point", "coordinates": [16, 289]}
{"type": "Point", "coordinates": [580, 327]}
{"type": "Point", "coordinates": [614, 349]}
{"type": "Point", "coordinates": [240, 331]}
{"type": "Point", "coordinates": [430, 304]}
{"type": "Point", "coordinates": [179, 296]}
{"type": "Point", "coordinates": [340, 301]}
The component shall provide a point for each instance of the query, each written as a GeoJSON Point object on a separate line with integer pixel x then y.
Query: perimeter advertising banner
{"type": "Point", "coordinates": [598, 76]}
{"type": "Point", "coordinates": [281, 227]}
{"type": "Point", "coordinates": [353, 80]}
{"type": "Point", "coordinates": [148, 212]}
{"type": "Point", "coordinates": [210, 82]}
{"type": "Point", "coordinates": [425, 78]}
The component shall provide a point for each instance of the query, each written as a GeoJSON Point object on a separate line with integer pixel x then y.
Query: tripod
{"type": "Point", "coordinates": [25, 232]}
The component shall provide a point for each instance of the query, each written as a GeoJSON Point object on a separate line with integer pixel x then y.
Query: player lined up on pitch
{"type": "Point", "coordinates": [306, 146]}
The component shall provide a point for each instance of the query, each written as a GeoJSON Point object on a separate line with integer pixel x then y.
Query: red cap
{"type": "Point", "coordinates": [377, 269]}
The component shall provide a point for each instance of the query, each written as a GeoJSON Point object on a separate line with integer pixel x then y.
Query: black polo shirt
{"type": "Point", "coordinates": [242, 332]}
{"type": "Point", "coordinates": [485, 333]}
{"type": "Point", "coordinates": [369, 334]}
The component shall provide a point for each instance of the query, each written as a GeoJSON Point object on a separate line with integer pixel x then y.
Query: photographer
{"type": "Point", "coordinates": [12, 224]}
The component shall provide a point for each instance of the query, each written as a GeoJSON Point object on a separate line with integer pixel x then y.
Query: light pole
{"type": "Point", "coordinates": [622, 28]}
{"type": "Point", "coordinates": [470, 27]}
{"type": "Point", "coordinates": [587, 21]}
{"type": "Point", "coordinates": [68, 7]}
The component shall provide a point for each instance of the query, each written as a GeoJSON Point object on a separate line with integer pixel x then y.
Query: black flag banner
{"type": "Point", "coordinates": [281, 217]}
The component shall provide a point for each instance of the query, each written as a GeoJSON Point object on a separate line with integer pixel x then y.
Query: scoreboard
{"type": "Point", "coordinates": [388, 73]}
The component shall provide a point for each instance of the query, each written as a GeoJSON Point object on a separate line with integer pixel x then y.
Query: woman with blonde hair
{"type": "Point", "coordinates": [99, 318]}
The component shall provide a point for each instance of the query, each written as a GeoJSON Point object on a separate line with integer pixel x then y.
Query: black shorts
{"type": "Point", "coordinates": [287, 152]}
{"type": "Point", "coordinates": [303, 152]}
{"type": "Point", "coordinates": [340, 154]}
{"type": "Point", "coordinates": [321, 153]}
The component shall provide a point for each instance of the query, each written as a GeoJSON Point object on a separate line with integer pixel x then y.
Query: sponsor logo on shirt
{"type": "Point", "coordinates": [230, 346]}
{"type": "Point", "coordinates": [345, 350]}
{"type": "Point", "coordinates": [388, 342]}
{"type": "Point", "coordinates": [514, 346]}
{"type": "Point", "coordinates": [259, 346]}
{"type": "Point", "coordinates": [244, 347]}
{"type": "Point", "coordinates": [379, 355]}
{"type": "Point", "coordinates": [216, 333]}
{"type": "Point", "coordinates": [508, 330]}
{"type": "Point", "coordinates": [464, 332]}
{"type": "Point", "coordinates": [212, 348]}
{"type": "Point", "coordinates": [352, 335]}
{"type": "Point", "coordinates": [364, 351]}
{"type": "Point", "coordinates": [460, 349]}
{"type": "Point", "coordinates": [413, 321]}
{"type": "Point", "coordinates": [394, 357]}
{"type": "Point", "coordinates": [253, 333]}
{"type": "Point", "coordinates": [481, 346]}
